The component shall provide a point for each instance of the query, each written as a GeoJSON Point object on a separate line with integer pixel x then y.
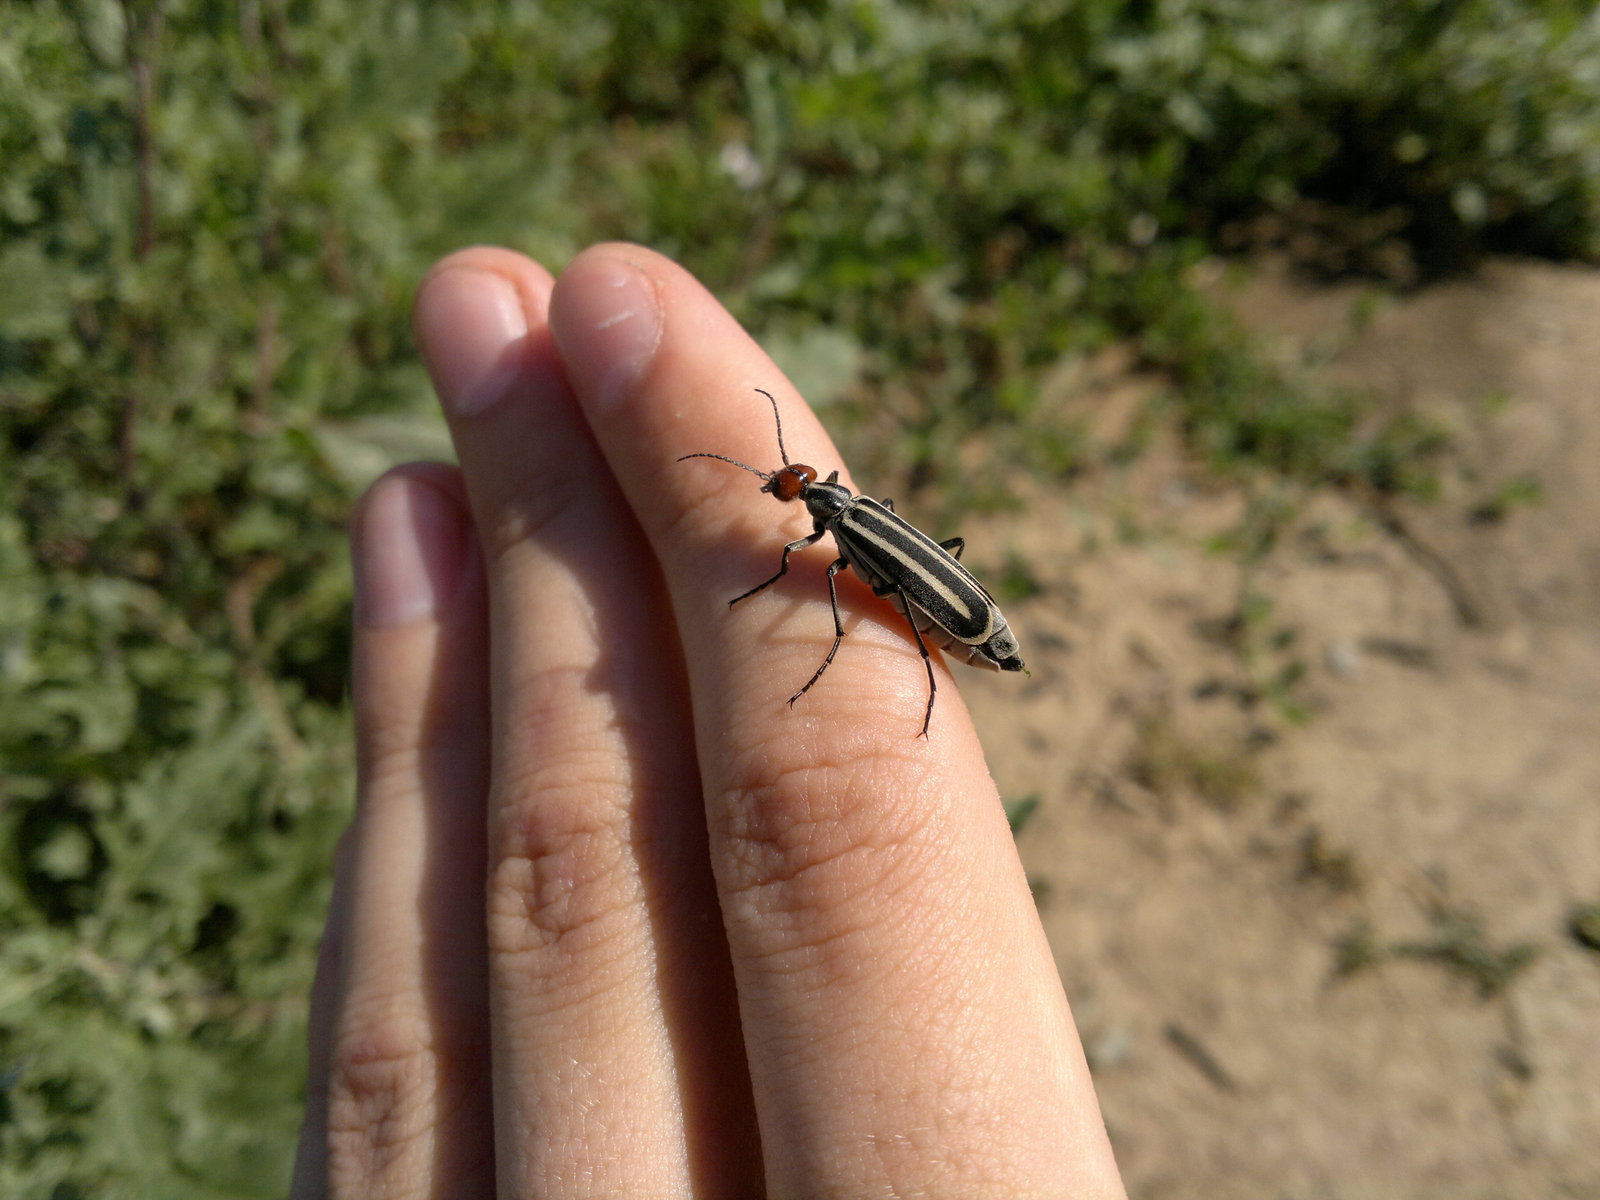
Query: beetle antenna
{"type": "Point", "coordinates": [734, 461]}
{"type": "Point", "coordinates": [779, 420]}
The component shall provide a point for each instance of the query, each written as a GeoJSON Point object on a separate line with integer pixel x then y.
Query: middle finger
{"type": "Point", "coordinates": [617, 1061]}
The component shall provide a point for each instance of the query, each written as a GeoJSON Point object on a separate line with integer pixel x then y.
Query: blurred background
{"type": "Point", "coordinates": [1254, 347]}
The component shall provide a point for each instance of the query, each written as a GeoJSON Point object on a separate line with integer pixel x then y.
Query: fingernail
{"type": "Point", "coordinates": [607, 322]}
{"type": "Point", "coordinates": [473, 331]}
{"type": "Point", "coordinates": [410, 547]}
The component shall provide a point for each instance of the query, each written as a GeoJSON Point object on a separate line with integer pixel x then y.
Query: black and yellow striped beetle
{"type": "Point", "coordinates": [919, 576]}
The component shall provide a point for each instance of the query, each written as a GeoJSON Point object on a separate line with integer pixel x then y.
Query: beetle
{"type": "Point", "coordinates": [922, 578]}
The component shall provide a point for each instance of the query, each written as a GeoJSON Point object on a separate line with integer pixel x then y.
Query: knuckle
{"type": "Point", "coordinates": [560, 874]}
{"type": "Point", "coordinates": [535, 516]}
{"type": "Point", "coordinates": [395, 737]}
{"type": "Point", "coordinates": [387, 729]}
{"type": "Point", "coordinates": [694, 515]}
{"type": "Point", "coordinates": [823, 836]}
{"type": "Point", "coordinates": [388, 765]}
{"type": "Point", "coordinates": [708, 521]}
{"type": "Point", "coordinates": [381, 1093]}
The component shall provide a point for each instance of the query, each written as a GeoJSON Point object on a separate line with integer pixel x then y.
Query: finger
{"type": "Point", "coordinates": [310, 1178]}
{"type": "Point", "coordinates": [618, 1069]}
{"type": "Point", "coordinates": [905, 1027]}
{"type": "Point", "coordinates": [717, 535]}
{"type": "Point", "coordinates": [408, 1083]}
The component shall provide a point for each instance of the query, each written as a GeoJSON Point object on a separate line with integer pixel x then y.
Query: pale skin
{"type": "Point", "coordinates": [613, 920]}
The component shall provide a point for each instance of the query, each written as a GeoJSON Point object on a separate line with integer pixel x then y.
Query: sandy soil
{"type": "Point", "coordinates": [1376, 745]}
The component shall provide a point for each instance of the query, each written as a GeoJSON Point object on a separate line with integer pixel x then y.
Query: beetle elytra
{"type": "Point", "coordinates": [922, 578]}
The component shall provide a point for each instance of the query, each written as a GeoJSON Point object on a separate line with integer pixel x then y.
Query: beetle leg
{"type": "Point", "coordinates": [927, 662]}
{"type": "Point", "coordinates": [783, 566]}
{"type": "Point", "coordinates": [834, 568]}
{"type": "Point", "coordinates": [955, 546]}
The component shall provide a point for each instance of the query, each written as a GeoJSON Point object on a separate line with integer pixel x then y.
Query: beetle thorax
{"type": "Point", "coordinates": [824, 501]}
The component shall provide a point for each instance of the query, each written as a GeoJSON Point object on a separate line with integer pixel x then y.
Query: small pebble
{"type": "Point", "coordinates": [1343, 658]}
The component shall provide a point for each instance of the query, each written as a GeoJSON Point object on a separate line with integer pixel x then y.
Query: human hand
{"type": "Point", "coordinates": [711, 945]}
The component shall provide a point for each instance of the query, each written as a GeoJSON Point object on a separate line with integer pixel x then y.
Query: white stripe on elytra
{"type": "Point", "coordinates": [956, 601]}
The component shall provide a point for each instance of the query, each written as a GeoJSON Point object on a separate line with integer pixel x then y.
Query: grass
{"type": "Point", "coordinates": [1457, 941]}
{"type": "Point", "coordinates": [1520, 491]}
{"type": "Point", "coordinates": [1168, 764]}
{"type": "Point", "coordinates": [1583, 925]}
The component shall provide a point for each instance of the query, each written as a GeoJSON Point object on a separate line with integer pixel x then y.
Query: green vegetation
{"type": "Point", "coordinates": [1020, 811]}
{"type": "Point", "coordinates": [1166, 763]}
{"type": "Point", "coordinates": [1583, 924]}
{"type": "Point", "coordinates": [211, 221]}
{"type": "Point", "coordinates": [1334, 867]}
{"type": "Point", "coordinates": [1457, 941]}
{"type": "Point", "coordinates": [1520, 491]}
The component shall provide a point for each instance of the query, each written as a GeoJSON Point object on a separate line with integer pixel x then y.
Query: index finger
{"type": "Point", "coordinates": [716, 533]}
{"type": "Point", "coordinates": [892, 973]}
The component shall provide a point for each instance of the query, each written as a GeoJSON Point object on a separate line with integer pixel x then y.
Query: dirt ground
{"type": "Point", "coordinates": [1312, 826]}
